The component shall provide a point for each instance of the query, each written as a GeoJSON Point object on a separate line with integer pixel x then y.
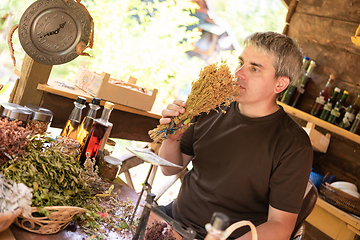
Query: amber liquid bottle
{"type": "Point", "coordinates": [99, 133]}
{"type": "Point", "coordinates": [71, 127]}
{"type": "Point", "coordinates": [324, 95]}
{"type": "Point", "coordinates": [87, 122]}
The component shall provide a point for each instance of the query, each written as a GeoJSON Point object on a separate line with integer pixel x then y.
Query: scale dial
{"type": "Point", "coordinates": [49, 30]}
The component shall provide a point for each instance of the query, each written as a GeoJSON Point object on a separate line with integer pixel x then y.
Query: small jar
{"type": "Point", "coordinates": [109, 147]}
{"type": "Point", "coordinates": [14, 111]}
{"type": "Point", "coordinates": [66, 145]}
{"type": "Point", "coordinates": [109, 167]}
{"type": "Point", "coordinates": [40, 119]}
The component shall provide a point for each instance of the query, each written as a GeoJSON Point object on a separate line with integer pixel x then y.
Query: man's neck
{"type": "Point", "coordinates": [254, 111]}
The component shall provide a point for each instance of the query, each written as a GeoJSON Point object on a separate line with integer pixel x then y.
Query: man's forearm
{"type": "Point", "coordinates": [170, 151]}
{"type": "Point", "coordinates": [271, 230]}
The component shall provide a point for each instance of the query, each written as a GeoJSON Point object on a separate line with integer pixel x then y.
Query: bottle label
{"type": "Point", "coordinates": [328, 106]}
{"type": "Point", "coordinates": [348, 118]}
{"type": "Point", "coordinates": [358, 116]}
{"type": "Point", "coordinates": [301, 88]}
{"type": "Point", "coordinates": [320, 100]}
{"type": "Point", "coordinates": [335, 112]}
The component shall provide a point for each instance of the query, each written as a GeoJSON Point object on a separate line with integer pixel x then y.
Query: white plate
{"type": "Point", "coordinates": [353, 193]}
{"type": "Point", "coordinates": [344, 185]}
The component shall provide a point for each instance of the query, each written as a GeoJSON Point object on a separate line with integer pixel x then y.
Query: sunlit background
{"type": "Point", "coordinates": [159, 43]}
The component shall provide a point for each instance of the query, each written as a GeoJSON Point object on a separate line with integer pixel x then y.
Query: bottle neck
{"type": "Point", "coordinates": [343, 98]}
{"type": "Point", "coordinates": [335, 94]}
{"type": "Point", "coordinates": [93, 110]}
{"type": "Point", "coordinates": [310, 70]}
{"type": "Point", "coordinates": [326, 91]}
{"type": "Point", "coordinates": [105, 115]}
{"type": "Point", "coordinates": [357, 102]}
{"type": "Point", "coordinates": [76, 112]}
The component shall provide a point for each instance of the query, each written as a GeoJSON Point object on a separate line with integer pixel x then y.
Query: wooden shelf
{"type": "Point", "coordinates": [334, 222]}
{"type": "Point", "coordinates": [321, 123]}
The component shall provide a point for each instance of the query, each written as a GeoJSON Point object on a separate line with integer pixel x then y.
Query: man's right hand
{"type": "Point", "coordinates": [172, 110]}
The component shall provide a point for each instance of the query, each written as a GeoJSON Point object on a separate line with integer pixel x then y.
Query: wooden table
{"type": "Point", "coordinates": [16, 233]}
{"type": "Point", "coordinates": [129, 123]}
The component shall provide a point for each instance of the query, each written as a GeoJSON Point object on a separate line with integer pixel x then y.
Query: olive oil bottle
{"type": "Point", "coordinates": [71, 127]}
{"type": "Point", "coordinates": [98, 134]}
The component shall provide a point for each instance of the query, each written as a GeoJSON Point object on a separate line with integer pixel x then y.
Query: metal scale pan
{"type": "Point", "coordinates": [150, 157]}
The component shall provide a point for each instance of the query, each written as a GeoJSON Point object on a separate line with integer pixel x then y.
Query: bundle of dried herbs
{"type": "Point", "coordinates": [214, 87]}
{"type": "Point", "coordinates": [13, 139]}
{"type": "Point", "coordinates": [14, 195]}
{"type": "Point", "coordinates": [56, 178]}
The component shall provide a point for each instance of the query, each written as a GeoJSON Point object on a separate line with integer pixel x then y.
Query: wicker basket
{"type": "Point", "coordinates": [340, 199]}
{"type": "Point", "coordinates": [59, 218]}
{"type": "Point", "coordinates": [7, 218]}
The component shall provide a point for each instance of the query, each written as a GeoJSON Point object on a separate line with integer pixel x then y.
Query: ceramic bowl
{"type": "Point", "coordinates": [344, 186]}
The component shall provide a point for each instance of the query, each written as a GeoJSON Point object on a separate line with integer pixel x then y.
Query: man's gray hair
{"type": "Point", "coordinates": [287, 53]}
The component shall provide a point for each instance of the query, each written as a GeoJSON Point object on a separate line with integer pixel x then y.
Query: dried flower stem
{"type": "Point", "coordinates": [214, 87]}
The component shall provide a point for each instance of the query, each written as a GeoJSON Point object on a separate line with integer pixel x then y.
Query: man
{"type": "Point", "coordinates": [252, 162]}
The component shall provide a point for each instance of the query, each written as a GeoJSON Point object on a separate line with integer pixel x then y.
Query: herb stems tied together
{"type": "Point", "coordinates": [215, 86]}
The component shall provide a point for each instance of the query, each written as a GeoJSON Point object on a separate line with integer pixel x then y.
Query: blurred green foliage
{"type": "Point", "coordinates": [129, 41]}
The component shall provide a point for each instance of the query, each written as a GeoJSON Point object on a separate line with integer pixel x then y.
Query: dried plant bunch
{"type": "Point", "coordinates": [14, 195]}
{"type": "Point", "coordinates": [215, 86]}
{"type": "Point", "coordinates": [13, 139]}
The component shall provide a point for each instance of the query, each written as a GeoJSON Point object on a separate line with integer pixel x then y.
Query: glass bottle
{"type": "Point", "coordinates": [216, 228]}
{"type": "Point", "coordinates": [323, 97]}
{"type": "Point", "coordinates": [87, 122]}
{"type": "Point", "coordinates": [71, 127]}
{"type": "Point", "coordinates": [301, 87]}
{"type": "Point", "coordinates": [293, 87]}
{"type": "Point", "coordinates": [335, 112]}
{"type": "Point", "coordinates": [329, 104]}
{"type": "Point", "coordinates": [355, 128]}
{"type": "Point", "coordinates": [350, 114]}
{"type": "Point", "coordinates": [98, 134]}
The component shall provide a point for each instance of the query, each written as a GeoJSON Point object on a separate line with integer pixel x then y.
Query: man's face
{"type": "Point", "coordinates": [255, 74]}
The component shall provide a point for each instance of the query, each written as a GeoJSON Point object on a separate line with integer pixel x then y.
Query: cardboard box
{"type": "Point", "coordinates": [128, 94]}
{"type": "Point", "coordinates": [319, 141]}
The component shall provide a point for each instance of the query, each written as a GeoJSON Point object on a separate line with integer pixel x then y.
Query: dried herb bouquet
{"type": "Point", "coordinates": [214, 87]}
{"type": "Point", "coordinates": [13, 139]}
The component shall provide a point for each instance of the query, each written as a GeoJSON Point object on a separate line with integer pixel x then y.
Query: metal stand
{"type": "Point", "coordinates": [154, 159]}
{"type": "Point", "coordinates": [146, 187]}
{"type": "Point", "coordinates": [187, 234]}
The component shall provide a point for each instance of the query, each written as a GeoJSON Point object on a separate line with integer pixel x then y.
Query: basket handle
{"type": "Point", "coordinates": [326, 176]}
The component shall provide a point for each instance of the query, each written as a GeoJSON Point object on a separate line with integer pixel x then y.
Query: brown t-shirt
{"type": "Point", "coordinates": [240, 166]}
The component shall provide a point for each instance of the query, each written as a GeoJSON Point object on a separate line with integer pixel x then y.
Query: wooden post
{"type": "Point", "coordinates": [32, 73]}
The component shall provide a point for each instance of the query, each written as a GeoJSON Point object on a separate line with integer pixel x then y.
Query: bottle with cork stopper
{"type": "Point", "coordinates": [323, 97]}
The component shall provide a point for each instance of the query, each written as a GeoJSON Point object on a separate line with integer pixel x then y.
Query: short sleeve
{"type": "Point", "coordinates": [187, 140]}
{"type": "Point", "coordinates": [288, 181]}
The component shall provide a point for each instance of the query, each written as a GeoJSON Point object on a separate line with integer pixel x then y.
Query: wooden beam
{"type": "Point", "coordinates": [32, 73]}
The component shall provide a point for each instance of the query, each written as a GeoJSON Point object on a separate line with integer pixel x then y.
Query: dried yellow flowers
{"type": "Point", "coordinates": [214, 87]}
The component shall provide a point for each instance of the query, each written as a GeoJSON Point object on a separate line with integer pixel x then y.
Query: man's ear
{"type": "Point", "coordinates": [281, 84]}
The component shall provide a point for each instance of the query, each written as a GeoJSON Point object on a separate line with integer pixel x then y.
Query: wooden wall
{"type": "Point", "coordinates": [324, 28]}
